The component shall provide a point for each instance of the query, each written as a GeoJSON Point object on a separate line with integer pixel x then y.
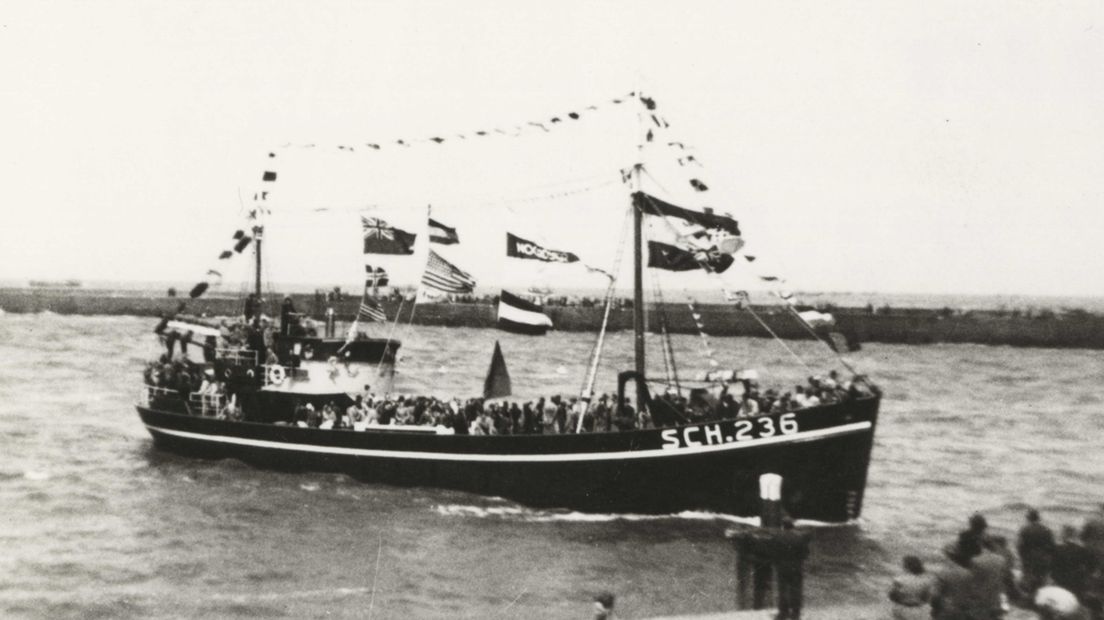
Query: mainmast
{"type": "Point", "coordinates": [638, 292]}
{"type": "Point", "coordinates": [258, 230]}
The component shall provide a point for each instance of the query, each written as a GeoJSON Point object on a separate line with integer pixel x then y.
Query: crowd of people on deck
{"type": "Point", "coordinates": [204, 393]}
{"type": "Point", "coordinates": [554, 415]}
{"type": "Point", "coordinates": [1059, 578]}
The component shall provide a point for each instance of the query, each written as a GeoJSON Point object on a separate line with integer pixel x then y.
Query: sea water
{"type": "Point", "coordinates": [96, 522]}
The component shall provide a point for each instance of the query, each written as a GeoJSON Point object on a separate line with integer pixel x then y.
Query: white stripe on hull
{"type": "Point", "coordinates": [801, 437]}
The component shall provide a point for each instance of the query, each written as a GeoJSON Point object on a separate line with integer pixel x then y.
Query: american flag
{"type": "Point", "coordinates": [444, 276]}
{"type": "Point", "coordinates": [371, 311]}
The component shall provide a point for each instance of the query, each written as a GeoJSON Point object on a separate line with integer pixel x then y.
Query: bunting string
{"type": "Point", "coordinates": [512, 131]}
{"type": "Point", "coordinates": [241, 240]}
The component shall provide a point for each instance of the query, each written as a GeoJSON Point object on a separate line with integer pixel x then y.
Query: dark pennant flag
{"type": "Point", "coordinates": [650, 205]}
{"type": "Point", "coordinates": [382, 238]}
{"type": "Point", "coordinates": [671, 258]}
{"type": "Point", "coordinates": [516, 247]}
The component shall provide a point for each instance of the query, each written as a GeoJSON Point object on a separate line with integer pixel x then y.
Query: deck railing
{"type": "Point", "coordinates": [238, 356]}
{"type": "Point", "coordinates": [206, 405]}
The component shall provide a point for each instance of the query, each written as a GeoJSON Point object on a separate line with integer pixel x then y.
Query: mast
{"type": "Point", "coordinates": [638, 293]}
{"type": "Point", "coordinates": [258, 230]}
{"type": "Point", "coordinates": [638, 265]}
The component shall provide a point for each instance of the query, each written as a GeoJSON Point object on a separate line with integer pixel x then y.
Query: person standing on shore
{"type": "Point", "coordinates": [1092, 535]}
{"type": "Point", "coordinates": [1073, 564]}
{"type": "Point", "coordinates": [954, 596]}
{"type": "Point", "coordinates": [1036, 549]}
{"type": "Point", "coordinates": [792, 548]}
{"type": "Point", "coordinates": [911, 591]}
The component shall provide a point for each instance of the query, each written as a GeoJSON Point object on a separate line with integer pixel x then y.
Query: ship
{"type": "Point", "coordinates": [661, 446]}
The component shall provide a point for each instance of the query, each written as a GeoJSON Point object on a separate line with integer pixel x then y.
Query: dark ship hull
{"type": "Point", "coordinates": [822, 453]}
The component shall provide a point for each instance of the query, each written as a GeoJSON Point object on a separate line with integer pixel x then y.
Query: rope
{"type": "Point", "coordinates": [390, 333]}
{"type": "Point", "coordinates": [787, 300]}
{"type": "Point", "coordinates": [705, 266]}
{"type": "Point", "coordinates": [596, 354]}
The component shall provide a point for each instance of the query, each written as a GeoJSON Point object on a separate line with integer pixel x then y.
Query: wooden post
{"type": "Point", "coordinates": [770, 520]}
{"type": "Point", "coordinates": [754, 565]}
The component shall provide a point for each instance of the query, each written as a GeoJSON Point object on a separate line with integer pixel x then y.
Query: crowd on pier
{"type": "Point", "coordinates": [1059, 577]}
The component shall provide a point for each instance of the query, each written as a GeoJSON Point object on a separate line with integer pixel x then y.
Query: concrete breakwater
{"type": "Point", "coordinates": [899, 326]}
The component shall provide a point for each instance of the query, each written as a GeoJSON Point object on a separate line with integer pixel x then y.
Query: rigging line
{"type": "Point", "coordinates": [705, 267]}
{"type": "Point", "coordinates": [461, 204]}
{"type": "Point", "coordinates": [780, 341]}
{"type": "Point", "coordinates": [817, 336]}
{"type": "Point", "coordinates": [390, 333]}
{"type": "Point", "coordinates": [596, 354]}
{"type": "Point", "coordinates": [788, 306]}
{"type": "Point", "coordinates": [656, 300]}
{"type": "Point", "coordinates": [669, 367]}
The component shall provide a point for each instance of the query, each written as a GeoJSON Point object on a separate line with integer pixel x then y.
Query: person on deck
{"type": "Point", "coordinates": [626, 416]}
{"type": "Point", "coordinates": [314, 417]}
{"type": "Point", "coordinates": [560, 415]}
{"type": "Point", "coordinates": [548, 417]}
{"type": "Point", "coordinates": [287, 316]}
{"type": "Point", "coordinates": [528, 419]}
{"type": "Point", "coordinates": [355, 412]}
{"type": "Point", "coordinates": [749, 406]}
{"type": "Point", "coordinates": [251, 303]}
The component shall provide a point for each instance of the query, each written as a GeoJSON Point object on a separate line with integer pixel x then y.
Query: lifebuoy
{"type": "Point", "coordinates": [276, 374]}
{"type": "Point", "coordinates": [228, 373]}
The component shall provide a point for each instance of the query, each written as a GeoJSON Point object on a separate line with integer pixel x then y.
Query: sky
{"type": "Point", "coordinates": [928, 147]}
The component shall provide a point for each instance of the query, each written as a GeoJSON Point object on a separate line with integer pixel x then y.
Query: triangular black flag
{"type": "Point", "coordinates": [497, 383]}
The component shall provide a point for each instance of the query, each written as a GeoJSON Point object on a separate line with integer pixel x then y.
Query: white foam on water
{"type": "Point", "coordinates": [32, 474]}
{"type": "Point", "coordinates": [542, 516]}
{"type": "Point", "coordinates": [312, 487]}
